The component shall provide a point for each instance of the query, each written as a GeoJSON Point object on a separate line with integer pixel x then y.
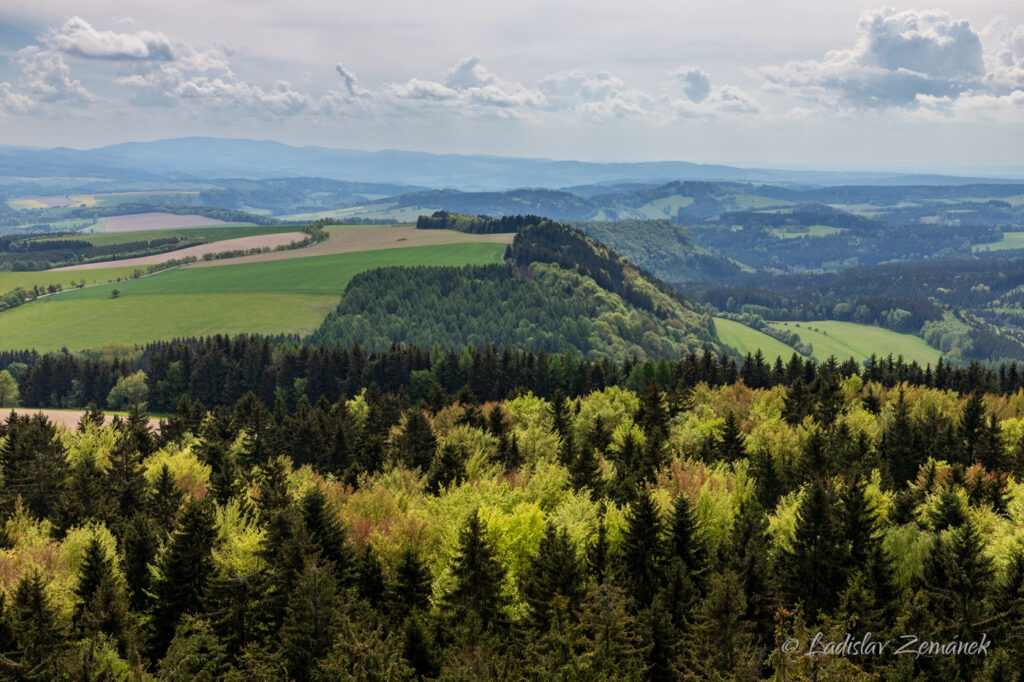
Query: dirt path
{"type": "Point", "coordinates": [66, 418]}
{"type": "Point", "coordinates": [349, 239]}
{"type": "Point", "coordinates": [271, 241]}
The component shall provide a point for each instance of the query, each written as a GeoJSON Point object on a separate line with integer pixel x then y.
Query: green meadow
{"type": "Point", "coordinates": [213, 233]}
{"type": "Point", "coordinates": [847, 339]}
{"type": "Point", "coordinates": [272, 297]}
{"type": "Point", "coordinates": [1010, 240]}
{"type": "Point", "coordinates": [748, 340]}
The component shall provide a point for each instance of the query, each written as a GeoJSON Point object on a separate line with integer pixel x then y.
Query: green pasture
{"type": "Point", "coordinates": [66, 278]}
{"type": "Point", "coordinates": [748, 340]}
{"type": "Point", "coordinates": [1010, 240]}
{"type": "Point", "coordinates": [213, 233]}
{"type": "Point", "coordinates": [847, 339]}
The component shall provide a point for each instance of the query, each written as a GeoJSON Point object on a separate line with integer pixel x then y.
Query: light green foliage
{"type": "Point", "coordinates": [479, 446]}
{"type": "Point", "coordinates": [129, 390]}
{"type": "Point", "coordinates": [239, 538]}
{"type": "Point", "coordinates": [782, 522]}
{"type": "Point", "coordinates": [908, 545]}
{"type": "Point", "coordinates": [9, 395]}
{"type": "Point", "coordinates": [191, 475]}
{"type": "Point", "coordinates": [687, 431]}
{"type": "Point", "coordinates": [748, 340]}
{"type": "Point", "coordinates": [613, 404]}
{"type": "Point", "coordinates": [94, 443]}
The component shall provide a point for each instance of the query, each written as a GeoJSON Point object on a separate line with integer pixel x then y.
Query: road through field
{"type": "Point", "coordinates": [352, 239]}
{"type": "Point", "coordinates": [263, 241]}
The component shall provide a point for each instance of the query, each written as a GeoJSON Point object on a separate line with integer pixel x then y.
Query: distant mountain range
{"type": "Point", "coordinates": [197, 159]}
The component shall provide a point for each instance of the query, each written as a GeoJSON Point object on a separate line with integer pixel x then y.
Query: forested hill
{"type": "Point", "coordinates": [558, 290]}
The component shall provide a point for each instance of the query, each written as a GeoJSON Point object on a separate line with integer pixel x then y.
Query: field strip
{"type": "Point", "coordinates": [264, 241]}
{"type": "Point", "coordinates": [353, 239]}
{"type": "Point", "coordinates": [156, 221]}
{"type": "Point", "coordinates": [66, 418]}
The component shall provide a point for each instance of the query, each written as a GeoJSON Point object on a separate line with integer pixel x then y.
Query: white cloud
{"type": "Point", "coordinates": [78, 37]}
{"type": "Point", "coordinates": [48, 78]}
{"type": "Point", "coordinates": [912, 59]}
{"type": "Point", "coordinates": [13, 102]}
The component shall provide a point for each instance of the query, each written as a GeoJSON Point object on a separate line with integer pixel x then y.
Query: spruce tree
{"type": "Point", "coordinates": [311, 622]}
{"type": "Point", "coordinates": [479, 578]}
{"type": "Point", "coordinates": [971, 429]}
{"type": "Point", "coordinates": [722, 638]}
{"type": "Point", "coordinates": [730, 447]}
{"type": "Point", "coordinates": [747, 553]}
{"type": "Point", "coordinates": [643, 551]}
{"type": "Point", "coordinates": [96, 566]}
{"type": "Point", "coordinates": [411, 588]}
{"type": "Point", "coordinates": [416, 445]}
{"type": "Point", "coordinates": [164, 499]}
{"type": "Point", "coordinates": [186, 567]}
{"type": "Point", "coordinates": [448, 469]}
{"type": "Point", "coordinates": [141, 543]}
{"type": "Point", "coordinates": [554, 571]}
{"type": "Point", "coordinates": [328, 535]}
{"type": "Point", "coordinates": [36, 626]}
{"type": "Point", "coordinates": [812, 572]}
{"type": "Point", "coordinates": [686, 539]}
{"type": "Point", "coordinates": [599, 551]}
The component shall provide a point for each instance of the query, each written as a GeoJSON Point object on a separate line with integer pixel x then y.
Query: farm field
{"type": "Point", "coordinates": [748, 340]}
{"type": "Point", "coordinates": [51, 323]}
{"type": "Point", "coordinates": [860, 341]}
{"type": "Point", "coordinates": [269, 241]}
{"type": "Point", "coordinates": [357, 239]}
{"type": "Point", "coordinates": [811, 231]}
{"type": "Point", "coordinates": [285, 296]}
{"type": "Point", "coordinates": [44, 278]}
{"type": "Point", "coordinates": [1010, 240]}
{"type": "Point", "coordinates": [156, 221]}
{"type": "Point", "coordinates": [210, 234]}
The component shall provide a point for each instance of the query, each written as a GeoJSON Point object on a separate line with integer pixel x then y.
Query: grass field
{"type": "Point", "coordinates": [846, 339]}
{"type": "Point", "coordinates": [66, 278]}
{"type": "Point", "coordinates": [811, 231]}
{"type": "Point", "coordinates": [1010, 240]}
{"type": "Point", "coordinates": [748, 340]}
{"type": "Point", "coordinates": [284, 296]}
{"type": "Point", "coordinates": [214, 233]}
{"type": "Point", "coordinates": [51, 324]}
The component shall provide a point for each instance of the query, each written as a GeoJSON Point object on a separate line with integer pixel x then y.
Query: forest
{"type": "Point", "coordinates": [675, 529]}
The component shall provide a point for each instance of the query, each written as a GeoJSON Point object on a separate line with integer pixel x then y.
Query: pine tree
{"type": "Point", "coordinates": [971, 428]}
{"type": "Point", "coordinates": [730, 447]}
{"type": "Point", "coordinates": [125, 478]}
{"type": "Point", "coordinates": [957, 577]}
{"type": "Point", "coordinates": [554, 571]}
{"type": "Point", "coordinates": [559, 408]}
{"type": "Point", "coordinates": [599, 550]}
{"type": "Point", "coordinates": [479, 577]}
{"type": "Point", "coordinates": [748, 549]}
{"type": "Point", "coordinates": [686, 540]}
{"type": "Point", "coordinates": [416, 446]}
{"type": "Point", "coordinates": [34, 465]}
{"type": "Point", "coordinates": [899, 445]}
{"type": "Point", "coordinates": [186, 567]}
{"type": "Point", "coordinates": [194, 653]}
{"type": "Point", "coordinates": [312, 620]}
{"type": "Point", "coordinates": [585, 472]}
{"type": "Point", "coordinates": [796, 404]}
{"type": "Point", "coordinates": [722, 638]}
{"type": "Point", "coordinates": [140, 549]}
{"type": "Point", "coordinates": [643, 549]}
{"type": "Point", "coordinates": [449, 468]}
{"type": "Point", "coordinates": [92, 417]}
{"type": "Point", "coordinates": [949, 513]}
{"type": "Point", "coordinates": [328, 535]}
{"type": "Point", "coordinates": [369, 576]}
{"type": "Point", "coordinates": [96, 566]}
{"type": "Point", "coordinates": [411, 589]}
{"type": "Point", "coordinates": [813, 570]}
{"type": "Point", "coordinates": [273, 490]}
{"type": "Point", "coordinates": [165, 499]}
{"type": "Point", "coordinates": [36, 626]}
{"type": "Point", "coordinates": [85, 497]}
{"type": "Point", "coordinates": [611, 646]}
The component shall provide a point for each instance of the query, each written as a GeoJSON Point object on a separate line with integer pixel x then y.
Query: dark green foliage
{"type": "Point", "coordinates": [34, 465]}
{"type": "Point", "coordinates": [164, 499]}
{"type": "Point", "coordinates": [686, 540]}
{"type": "Point", "coordinates": [554, 571]}
{"type": "Point", "coordinates": [478, 591]}
{"type": "Point", "coordinates": [448, 469]}
{"type": "Point", "coordinates": [36, 626]}
{"type": "Point", "coordinates": [186, 568]}
{"type": "Point", "coordinates": [416, 446]}
{"type": "Point", "coordinates": [195, 653]}
{"type": "Point", "coordinates": [411, 588]}
{"type": "Point", "coordinates": [730, 447]}
{"type": "Point", "coordinates": [141, 543]}
{"type": "Point", "coordinates": [311, 622]}
{"type": "Point", "coordinates": [643, 552]}
{"type": "Point", "coordinates": [328, 535]}
{"type": "Point", "coordinates": [96, 567]}
{"type": "Point", "coordinates": [813, 571]}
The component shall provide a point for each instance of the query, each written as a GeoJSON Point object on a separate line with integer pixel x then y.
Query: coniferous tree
{"type": "Point", "coordinates": [585, 472]}
{"type": "Point", "coordinates": [643, 550]}
{"type": "Point", "coordinates": [812, 571]}
{"type": "Point", "coordinates": [36, 626]}
{"type": "Point", "coordinates": [369, 576]}
{"type": "Point", "coordinates": [328, 535]}
{"type": "Point", "coordinates": [686, 539]}
{"type": "Point", "coordinates": [164, 499]}
{"type": "Point", "coordinates": [748, 547]}
{"type": "Point", "coordinates": [731, 446]}
{"type": "Point", "coordinates": [34, 465]}
{"type": "Point", "coordinates": [416, 446]}
{"type": "Point", "coordinates": [554, 571]}
{"type": "Point", "coordinates": [949, 513]}
{"type": "Point", "coordinates": [85, 496]}
{"type": "Point", "coordinates": [971, 429]}
{"type": "Point", "coordinates": [449, 468]}
{"type": "Point", "coordinates": [273, 489]}
{"type": "Point", "coordinates": [599, 551]}
{"type": "Point", "coordinates": [411, 589]}
{"type": "Point", "coordinates": [96, 566]}
{"type": "Point", "coordinates": [141, 544]}
{"type": "Point", "coordinates": [722, 638]}
{"type": "Point", "coordinates": [478, 576]}
{"type": "Point", "coordinates": [311, 622]}
{"type": "Point", "coordinates": [186, 568]}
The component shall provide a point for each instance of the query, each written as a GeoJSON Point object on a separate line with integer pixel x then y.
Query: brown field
{"type": "Point", "coordinates": [349, 239]}
{"type": "Point", "coordinates": [66, 418]}
{"type": "Point", "coordinates": [269, 241]}
{"type": "Point", "coordinates": [157, 221]}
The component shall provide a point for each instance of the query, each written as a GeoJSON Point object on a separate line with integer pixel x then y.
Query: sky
{"type": "Point", "coordinates": [808, 84]}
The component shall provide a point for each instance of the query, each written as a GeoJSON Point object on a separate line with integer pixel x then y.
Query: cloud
{"type": "Point", "coordinates": [696, 83]}
{"type": "Point", "coordinates": [48, 78]}
{"type": "Point", "coordinates": [469, 73]}
{"type": "Point", "coordinates": [352, 86]}
{"type": "Point", "coordinates": [470, 89]}
{"type": "Point", "coordinates": [903, 60]}
{"type": "Point", "coordinates": [13, 102]}
{"type": "Point", "coordinates": [78, 37]}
